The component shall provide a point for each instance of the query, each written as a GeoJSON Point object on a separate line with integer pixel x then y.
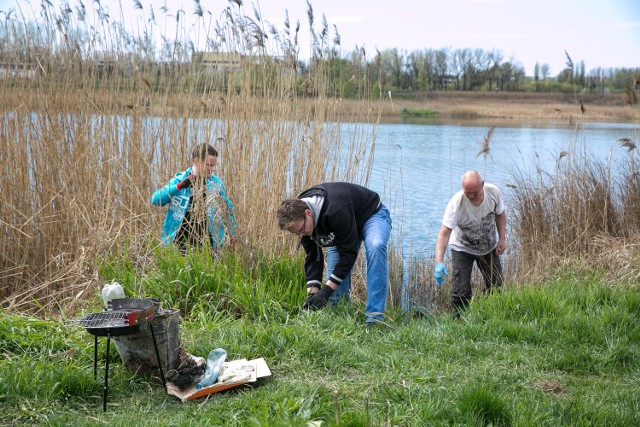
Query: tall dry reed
{"type": "Point", "coordinates": [564, 217]}
{"type": "Point", "coordinates": [101, 123]}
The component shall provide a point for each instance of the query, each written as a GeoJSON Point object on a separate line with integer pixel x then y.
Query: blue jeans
{"type": "Point", "coordinates": [375, 234]}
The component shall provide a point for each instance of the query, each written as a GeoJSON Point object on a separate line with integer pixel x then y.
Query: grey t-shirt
{"type": "Point", "coordinates": [474, 227]}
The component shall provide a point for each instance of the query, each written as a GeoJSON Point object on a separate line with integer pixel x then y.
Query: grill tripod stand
{"type": "Point", "coordinates": [120, 331]}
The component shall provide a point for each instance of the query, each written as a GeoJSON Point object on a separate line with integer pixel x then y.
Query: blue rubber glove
{"type": "Point", "coordinates": [440, 272]}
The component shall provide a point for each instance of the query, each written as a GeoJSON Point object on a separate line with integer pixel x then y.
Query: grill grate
{"type": "Point", "coordinates": [127, 313]}
{"type": "Point", "coordinates": [104, 319]}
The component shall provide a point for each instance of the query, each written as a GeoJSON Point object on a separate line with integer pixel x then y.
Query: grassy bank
{"type": "Point", "coordinates": [564, 353]}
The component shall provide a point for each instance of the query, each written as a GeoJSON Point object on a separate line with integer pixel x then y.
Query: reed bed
{"type": "Point", "coordinates": [86, 145]}
{"type": "Point", "coordinates": [582, 215]}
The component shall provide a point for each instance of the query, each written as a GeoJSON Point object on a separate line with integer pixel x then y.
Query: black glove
{"type": "Point", "coordinates": [310, 294]}
{"type": "Point", "coordinates": [318, 300]}
{"type": "Point", "coordinates": [185, 183]}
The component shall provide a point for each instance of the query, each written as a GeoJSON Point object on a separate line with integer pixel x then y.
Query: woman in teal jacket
{"type": "Point", "coordinates": [198, 202]}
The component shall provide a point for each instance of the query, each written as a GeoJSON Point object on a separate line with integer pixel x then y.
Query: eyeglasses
{"type": "Point", "coordinates": [304, 225]}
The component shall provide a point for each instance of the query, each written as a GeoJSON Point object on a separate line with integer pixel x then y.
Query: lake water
{"type": "Point", "coordinates": [417, 167]}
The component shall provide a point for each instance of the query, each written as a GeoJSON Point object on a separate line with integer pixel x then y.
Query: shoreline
{"type": "Point", "coordinates": [555, 107]}
{"type": "Point", "coordinates": [429, 107]}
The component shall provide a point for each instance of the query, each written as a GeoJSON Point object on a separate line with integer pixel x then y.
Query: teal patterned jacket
{"type": "Point", "coordinates": [221, 221]}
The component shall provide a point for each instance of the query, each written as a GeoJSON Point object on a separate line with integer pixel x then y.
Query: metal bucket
{"type": "Point", "coordinates": [137, 350]}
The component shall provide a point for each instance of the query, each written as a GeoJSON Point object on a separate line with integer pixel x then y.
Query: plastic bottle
{"type": "Point", "coordinates": [111, 291]}
{"type": "Point", "coordinates": [214, 363]}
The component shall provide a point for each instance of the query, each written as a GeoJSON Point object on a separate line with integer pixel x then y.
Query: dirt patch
{"type": "Point", "coordinates": [550, 386]}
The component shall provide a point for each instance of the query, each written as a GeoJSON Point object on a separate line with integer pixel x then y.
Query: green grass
{"type": "Point", "coordinates": [419, 112]}
{"type": "Point", "coordinates": [249, 284]}
{"type": "Point", "coordinates": [565, 353]}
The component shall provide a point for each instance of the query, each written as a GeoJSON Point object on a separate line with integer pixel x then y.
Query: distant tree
{"type": "Point", "coordinates": [339, 74]}
{"type": "Point", "coordinates": [426, 68]}
{"type": "Point", "coordinates": [395, 61]}
{"type": "Point", "coordinates": [494, 58]}
{"type": "Point", "coordinates": [422, 69]}
{"type": "Point", "coordinates": [477, 68]}
{"type": "Point", "coordinates": [414, 62]}
{"type": "Point", "coordinates": [511, 75]}
{"type": "Point", "coordinates": [441, 68]}
{"type": "Point", "coordinates": [505, 75]}
{"type": "Point", "coordinates": [457, 64]}
{"type": "Point", "coordinates": [361, 72]}
{"type": "Point", "coordinates": [594, 79]}
{"type": "Point", "coordinates": [544, 71]}
{"type": "Point", "coordinates": [518, 76]}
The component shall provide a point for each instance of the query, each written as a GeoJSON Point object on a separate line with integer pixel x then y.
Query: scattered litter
{"type": "Point", "coordinates": [232, 374]}
{"type": "Point", "coordinates": [187, 373]}
{"type": "Point", "coordinates": [215, 361]}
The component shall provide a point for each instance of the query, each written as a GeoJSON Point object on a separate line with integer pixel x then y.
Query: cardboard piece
{"type": "Point", "coordinates": [242, 371]}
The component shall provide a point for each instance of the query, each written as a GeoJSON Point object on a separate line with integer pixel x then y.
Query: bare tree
{"type": "Point", "coordinates": [458, 61]}
{"type": "Point", "coordinates": [441, 68]}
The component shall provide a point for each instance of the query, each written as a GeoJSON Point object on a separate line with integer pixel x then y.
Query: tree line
{"type": "Point", "coordinates": [469, 70]}
{"type": "Point", "coordinates": [68, 38]}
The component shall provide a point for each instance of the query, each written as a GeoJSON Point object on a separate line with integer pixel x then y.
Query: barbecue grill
{"type": "Point", "coordinates": [126, 316]}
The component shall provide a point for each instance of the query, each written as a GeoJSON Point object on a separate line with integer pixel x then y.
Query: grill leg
{"type": "Point", "coordinates": [106, 377]}
{"type": "Point", "coordinates": [95, 357]}
{"type": "Point", "coordinates": [155, 346]}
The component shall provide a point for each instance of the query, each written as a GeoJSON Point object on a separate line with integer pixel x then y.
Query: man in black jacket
{"type": "Point", "coordinates": [340, 216]}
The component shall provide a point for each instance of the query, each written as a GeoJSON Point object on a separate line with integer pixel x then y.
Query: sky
{"type": "Point", "coordinates": [601, 33]}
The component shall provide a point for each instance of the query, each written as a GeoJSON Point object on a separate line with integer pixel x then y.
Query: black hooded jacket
{"type": "Point", "coordinates": [345, 210]}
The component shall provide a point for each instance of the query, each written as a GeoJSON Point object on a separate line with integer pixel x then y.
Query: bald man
{"type": "Point", "coordinates": [474, 225]}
